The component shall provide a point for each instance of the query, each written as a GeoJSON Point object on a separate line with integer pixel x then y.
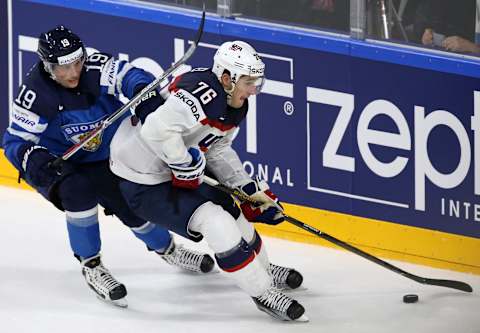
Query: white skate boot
{"type": "Point", "coordinates": [280, 306]}
{"type": "Point", "coordinates": [285, 278]}
{"type": "Point", "coordinates": [101, 281]}
{"type": "Point", "coordinates": [177, 255]}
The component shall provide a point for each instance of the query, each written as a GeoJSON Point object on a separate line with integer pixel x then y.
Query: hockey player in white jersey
{"type": "Point", "coordinates": [162, 159]}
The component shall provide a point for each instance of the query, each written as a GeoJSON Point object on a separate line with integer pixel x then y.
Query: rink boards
{"type": "Point", "coordinates": [375, 144]}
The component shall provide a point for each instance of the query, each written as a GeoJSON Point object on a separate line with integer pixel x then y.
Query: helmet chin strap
{"type": "Point", "coordinates": [229, 93]}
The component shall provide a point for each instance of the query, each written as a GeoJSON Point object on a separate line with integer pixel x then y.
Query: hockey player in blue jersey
{"type": "Point", "coordinates": [163, 158]}
{"type": "Point", "coordinates": [64, 96]}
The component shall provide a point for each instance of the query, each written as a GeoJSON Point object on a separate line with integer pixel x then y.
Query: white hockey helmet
{"type": "Point", "coordinates": [239, 58]}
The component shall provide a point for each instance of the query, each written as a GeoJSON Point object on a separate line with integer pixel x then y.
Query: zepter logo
{"type": "Point", "coordinates": [333, 157]}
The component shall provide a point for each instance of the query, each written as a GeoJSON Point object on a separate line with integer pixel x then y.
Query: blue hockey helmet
{"type": "Point", "coordinates": [60, 46]}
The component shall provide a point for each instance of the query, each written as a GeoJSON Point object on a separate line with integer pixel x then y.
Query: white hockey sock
{"type": "Point", "coordinates": [249, 234]}
{"type": "Point", "coordinates": [223, 235]}
{"type": "Point", "coordinates": [252, 278]}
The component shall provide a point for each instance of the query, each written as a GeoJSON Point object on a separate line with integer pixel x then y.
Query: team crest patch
{"type": "Point", "coordinates": [76, 132]}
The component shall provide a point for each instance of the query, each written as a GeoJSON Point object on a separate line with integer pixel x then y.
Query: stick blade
{"type": "Point", "coordinates": [458, 285]}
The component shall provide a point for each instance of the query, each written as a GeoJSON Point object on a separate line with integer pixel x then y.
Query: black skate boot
{"type": "Point", "coordinates": [280, 306]}
{"type": "Point", "coordinates": [285, 278]}
{"type": "Point", "coordinates": [101, 281]}
{"type": "Point", "coordinates": [179, 256]}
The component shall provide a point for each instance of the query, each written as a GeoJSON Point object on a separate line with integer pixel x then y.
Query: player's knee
{"type": "Point", "coordinates": [77, 193]}
{"type": "Point", "coordinates": [217, 226]}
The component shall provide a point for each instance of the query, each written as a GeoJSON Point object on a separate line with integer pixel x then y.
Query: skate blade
{"type": "Point", "coordinates": [290, 290]}
{"type": "Point", "coordinates": [303, 319]}
{"type": "Point", "coordinates": [215, 270]}
{"type": "Point", "coordinates": [121, 303]}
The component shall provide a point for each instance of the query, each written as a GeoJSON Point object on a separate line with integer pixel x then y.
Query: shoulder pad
{"type": "Point", "coordinates": [190, 81]}
{"type": "Point", "coordinates": [94, 66]}
{"type": "Point", "coordinates": [205, 87]}
{"type": "Point", "coordinates": [38, 93]}
{"type": "Point", "coordinates": [98, 59]}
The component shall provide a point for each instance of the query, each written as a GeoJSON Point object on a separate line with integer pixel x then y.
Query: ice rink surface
{"type": "Point", "coordinates": [42, 289]}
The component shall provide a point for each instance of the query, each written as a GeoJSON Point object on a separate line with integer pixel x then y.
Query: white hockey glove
{"type": "Point", "coordinates": [269, 211]}
{"type": "Point", "coordinates": [189, 176]}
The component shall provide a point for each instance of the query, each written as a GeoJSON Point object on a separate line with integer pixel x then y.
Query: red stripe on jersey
{"type": "Point", "coordinates": [240, 266]}
{"type": "Point", "coordinates": [173, 85]}
{"type": "Point", "coordinates": [215, 123]}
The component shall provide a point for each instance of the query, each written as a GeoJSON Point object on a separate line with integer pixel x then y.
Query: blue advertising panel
{"type": "Point", "coordinates": [374, 139]}
{"type": "Point", "coordinates": [3, 64]}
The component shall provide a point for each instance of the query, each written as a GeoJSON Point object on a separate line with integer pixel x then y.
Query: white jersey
{"type": "Point", "coordinates": [195, 114]}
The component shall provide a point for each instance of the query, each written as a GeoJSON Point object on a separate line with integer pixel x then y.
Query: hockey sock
{"type": "Point", "coordinates": [154, 236]}
{"type": "Point", "coordinates": [249, 275]}
{"type": "Point", "coordinates": [246, 228]}
{"type": "Point", "coordinates": [253, 239]}
{"type": "Point", "coordinates": [232, 252]}
{"type": "Point", "coordinates": [84, 232]}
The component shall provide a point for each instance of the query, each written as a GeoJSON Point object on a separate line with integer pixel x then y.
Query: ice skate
{"type": "Point", "coordinates": [177, 255]}
{"type": "Point", "coordinates": [285, 278]}
{"type": "Point", "coordinates": [101, 281]}
{"type": "Point", "coordinates": [280, 306]}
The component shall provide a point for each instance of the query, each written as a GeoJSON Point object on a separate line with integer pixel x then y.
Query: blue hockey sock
{"type": "Point", "coordinates": [154, 236]}
{"type": "Point", "coordinates": [84, 232]}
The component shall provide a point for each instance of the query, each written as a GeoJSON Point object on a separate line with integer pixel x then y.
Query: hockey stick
{"type": "Point", "coordinates": [117, 114]}
{"type": "Point", "coordinates": [434, 282]}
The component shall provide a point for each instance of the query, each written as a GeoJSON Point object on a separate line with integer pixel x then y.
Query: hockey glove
{"type": "Point", "coordinates": [148, 103]}
{"type": "Point", "coordinates": [268, 211]}
{"type": "Point", "coordinates": [36, 167]}
{"type": "Point", "coordinates": [189, 176]}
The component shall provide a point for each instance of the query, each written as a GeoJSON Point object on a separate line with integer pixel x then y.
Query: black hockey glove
{"type": "Point", "coordinates": [149, 103]}
{"type": "Point", "coordinates": [37, 168]}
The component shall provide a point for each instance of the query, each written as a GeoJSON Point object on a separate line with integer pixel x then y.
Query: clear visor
{"type": "Point", "coordinates": [251, 84]}
{"type": "Point", "coordinates": [50, 67]}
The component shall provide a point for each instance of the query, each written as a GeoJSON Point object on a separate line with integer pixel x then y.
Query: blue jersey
{"type": "Point", "coordinates": [47, 114]}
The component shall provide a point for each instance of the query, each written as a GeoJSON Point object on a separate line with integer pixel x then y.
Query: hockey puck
{"type": "Point", "coordinates": [410, 298]}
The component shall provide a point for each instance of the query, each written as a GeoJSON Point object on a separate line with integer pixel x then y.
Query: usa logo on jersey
{"type": "Point", "coordinates": [76, 132]}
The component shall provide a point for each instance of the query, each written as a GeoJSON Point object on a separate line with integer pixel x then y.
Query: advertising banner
{"type": "Point", "coordinates": [4, 64]}
{"type": "Point", "coordinates": [330, 131]}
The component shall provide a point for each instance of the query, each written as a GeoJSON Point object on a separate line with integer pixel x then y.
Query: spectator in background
{"type": "Point", "coordinates": [447, 24]}
{"type": "Point", "coordinates": [328, 14]}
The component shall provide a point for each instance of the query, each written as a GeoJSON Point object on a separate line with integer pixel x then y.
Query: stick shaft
{"type": "Point", "coordinates": [435, 282]}
{"type": "Point", "coordinates": [117, 114]}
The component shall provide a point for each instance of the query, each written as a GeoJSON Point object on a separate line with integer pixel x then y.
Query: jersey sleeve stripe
{"type": "Point", "coordinates": [27, 120]}
{"type": "Point", "coordinates": [217, 124]}
{"type": "Point", "coordinates": [107, 78]}
{"type": "Point", "coordinates": [120, 76]}
{"type": "Point", "coordinates": [24, 135]}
